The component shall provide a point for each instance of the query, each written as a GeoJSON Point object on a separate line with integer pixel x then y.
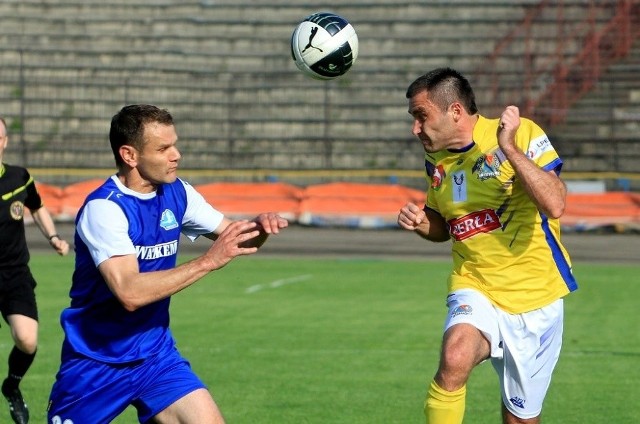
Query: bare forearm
{"type": "Point", "coordinates": [135, 289]}
{"type": "Point", "coordinates": [435, 233]}
{"type": "Point", "coordinates": [149, 287]}
{"type": "Point", "coordinates": [547, 191]}
{"type": "Point", "coordinates": [43, 220]}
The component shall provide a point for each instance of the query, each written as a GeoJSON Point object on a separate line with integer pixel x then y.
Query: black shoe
{"type": "Point", "coordinates": [17, 407]}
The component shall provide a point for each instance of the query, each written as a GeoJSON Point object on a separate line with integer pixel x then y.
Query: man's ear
{"type": "Point", "coordinates": [129, 155]}
{"type": "Point", "coordinates": [456, 111]}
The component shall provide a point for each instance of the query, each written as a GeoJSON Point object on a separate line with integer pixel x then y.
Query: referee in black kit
{"type": "Point", "coordinates": [17, 294]}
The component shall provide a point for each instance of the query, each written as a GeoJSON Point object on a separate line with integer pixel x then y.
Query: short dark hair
{"type": "Point", "coordinates": [445, 86]}
{"type": "Point", "coordinates": [127, 126]}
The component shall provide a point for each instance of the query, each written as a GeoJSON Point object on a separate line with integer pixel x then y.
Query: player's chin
{"type": "Point", "coordinates": [171, 176]}
{"type": "Point", "coordinates": [429, 147]}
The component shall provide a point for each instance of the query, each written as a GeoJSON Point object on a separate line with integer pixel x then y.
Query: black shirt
{"type": "Point", "coordinates": [17, 190]}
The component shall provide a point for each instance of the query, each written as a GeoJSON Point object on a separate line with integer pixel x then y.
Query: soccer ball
{"type": "Point", "coordinates": [324, 46]}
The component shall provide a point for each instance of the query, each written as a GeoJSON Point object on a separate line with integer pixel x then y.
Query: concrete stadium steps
{"type": "Point", "coordinates": [209, 36]}
{"type": "Point", "coordinates": [591, 143]}
{"type": "Point", "coordinates": [236, 29]}
{"type": "Point", "coordinates": [223, 68]}
{"type": "Point", "coordinates": [309, 154]}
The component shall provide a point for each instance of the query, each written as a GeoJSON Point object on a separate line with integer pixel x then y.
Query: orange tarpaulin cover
{"type": "Point", "coordinates": [353, 204]}
{"type": "Point", "coordinates": [51, 197]}
{"type": "Point", "coordinates": [246, 200]}
{"type": "Point", "coordinates": [346, 204]}
{"type": "Point", "coordinates": [74, 195]}
{"type": "Point", "coordinates": [602, 209]}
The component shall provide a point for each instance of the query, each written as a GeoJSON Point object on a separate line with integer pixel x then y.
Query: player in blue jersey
{"type": "Point", "coordinates": [18, 306]}
{"type": "Point", "coordinates": [118, 349]}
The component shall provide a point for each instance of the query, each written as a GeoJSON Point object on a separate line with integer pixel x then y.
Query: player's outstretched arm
{"type": "Point", "coordinates": [423, 221]}
{"type": "Point", "coordinates": [135, 289]}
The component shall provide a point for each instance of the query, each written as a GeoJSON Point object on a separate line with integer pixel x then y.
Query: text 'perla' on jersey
{"type": "Point", "coordinates": [502, 245]}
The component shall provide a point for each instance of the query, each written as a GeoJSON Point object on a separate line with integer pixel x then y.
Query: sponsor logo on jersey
{"type": "Point", "coordinates": [462, 310]}
{"type": "Point", "coordinates": [483, 221]}
{"type": "Point", "coordinates": [517, 402]}
{"type": "Point", "coordinates": [538, 147]}
{"type": "Point", "coordinates": [488, 166]}
{"type": "Point", "coordinates": [168, 220]}
{"type": "Point", "coordinates": [158, 251]}
{"type": "Point", "coordinates": [17, 210]}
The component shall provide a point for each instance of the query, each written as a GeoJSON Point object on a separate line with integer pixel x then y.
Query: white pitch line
{"type": "Point", "coordinates": [277, 283]}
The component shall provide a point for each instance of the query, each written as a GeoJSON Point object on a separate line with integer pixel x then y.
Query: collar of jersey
{"type": "Point", "coordinates": [464, 149]}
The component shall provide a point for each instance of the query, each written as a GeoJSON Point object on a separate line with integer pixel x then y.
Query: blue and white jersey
{"type": "Point", "coordinates": [117, 221]}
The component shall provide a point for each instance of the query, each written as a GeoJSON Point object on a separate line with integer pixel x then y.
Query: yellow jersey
{"type": "Point", "coordinates": [502, 245]}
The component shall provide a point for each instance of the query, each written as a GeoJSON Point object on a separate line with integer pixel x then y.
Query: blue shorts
{"type": "Point", "coordinates": [88, 391]}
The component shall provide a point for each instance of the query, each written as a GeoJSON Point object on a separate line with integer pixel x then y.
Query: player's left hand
{"type": "Point", "coordinates": [507, 128]}
{"type": "Point", "coordinates": [271, 223]}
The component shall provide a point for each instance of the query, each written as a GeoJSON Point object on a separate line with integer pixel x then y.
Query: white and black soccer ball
{"type": "Point", "coordinates": [324, 46]}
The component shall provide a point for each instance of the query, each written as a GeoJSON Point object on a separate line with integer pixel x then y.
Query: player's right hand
{"type": "Point", "coordinates": [229, 243]}
{"type": "Point", "coordinates": [411, 216]}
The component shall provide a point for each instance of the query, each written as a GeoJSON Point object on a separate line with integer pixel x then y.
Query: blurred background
{"type": "Point", "coordinates": [245, 114]}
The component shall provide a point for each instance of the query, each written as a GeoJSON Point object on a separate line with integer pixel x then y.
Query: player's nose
{"type": "Point", "coordinates": [176, 155]}
{"type": "Point", "coordinates": [416, 129]}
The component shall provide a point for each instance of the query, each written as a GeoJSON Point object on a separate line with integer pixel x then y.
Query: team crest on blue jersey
{"type": "Point", "coordinates": [487, 166]}
{"type": "Point", "coordinates": [168, 220]}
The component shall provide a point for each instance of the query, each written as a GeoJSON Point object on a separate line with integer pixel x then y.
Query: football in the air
{"type": "Point", "coordinates": [324, 45]}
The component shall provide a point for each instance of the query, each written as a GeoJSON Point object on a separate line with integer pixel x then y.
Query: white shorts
{"type": "Point", "coordinates": [524, 347]}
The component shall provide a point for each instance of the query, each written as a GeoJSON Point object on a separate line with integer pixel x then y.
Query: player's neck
{"type": "Point", "coordinates": [134, 181]}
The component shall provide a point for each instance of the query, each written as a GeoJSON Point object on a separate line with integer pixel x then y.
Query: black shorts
{"type": "Point", "coordinates": [17, 292]}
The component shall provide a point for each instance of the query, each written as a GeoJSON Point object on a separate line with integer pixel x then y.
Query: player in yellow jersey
{"type": "Point", "coordinates": [494, 191]}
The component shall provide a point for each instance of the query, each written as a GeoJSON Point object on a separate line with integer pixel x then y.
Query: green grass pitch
{"type": "Point", "coordinates": [356, 341]}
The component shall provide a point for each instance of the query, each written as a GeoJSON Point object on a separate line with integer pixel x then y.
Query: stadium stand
{"type": "Point", "coordinates": [245, 113]}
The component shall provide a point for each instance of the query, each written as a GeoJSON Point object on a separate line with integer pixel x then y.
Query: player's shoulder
{"type": "Point", "coordinates": [15, 171]}
{"type": "Point", "coordinates": [530, 133]}
{"type": "Point", "coordinates": [485, 123]}
{"type": "Point", "coordinates": [530, 124]}
{"type": "Point", "coordinates": [108, 190]}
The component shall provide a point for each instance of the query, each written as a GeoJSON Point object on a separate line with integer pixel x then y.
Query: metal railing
{"type": "Point", "coordinates": [560, 66]}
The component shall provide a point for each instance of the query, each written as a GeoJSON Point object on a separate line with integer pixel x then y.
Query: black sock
{"type": "Point", "coordinates": [19, 363]}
